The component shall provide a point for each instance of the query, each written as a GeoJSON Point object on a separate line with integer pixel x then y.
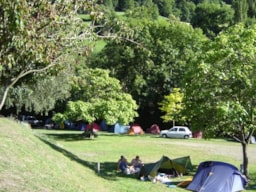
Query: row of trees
{"type": "Point", "coordinates": [44, 49]}
{"type": "Point", "coordinates": [190, 10]}
{"type": "Point", "coordinates": [212, 16]}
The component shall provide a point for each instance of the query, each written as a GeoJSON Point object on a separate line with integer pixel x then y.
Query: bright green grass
{"type": "Point", "coordinates": [52, 160]}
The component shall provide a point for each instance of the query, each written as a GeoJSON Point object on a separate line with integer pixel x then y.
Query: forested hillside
{"type": "Point", "coordinates": [210, 15]}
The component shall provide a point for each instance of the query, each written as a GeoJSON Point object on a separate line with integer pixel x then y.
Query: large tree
{"type": "Point", "coordinates": [172, 106]}
{"type": "Point", "coordinates": [98, 97]}
{"type": "Point", "coordinates": [220, 87]}
{"type": "Point", "coordinates": [212, 18]}
{"type": "Point", "coordinates": [37, 37]}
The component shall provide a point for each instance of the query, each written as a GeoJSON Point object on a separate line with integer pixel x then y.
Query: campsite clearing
{"type": "Point", "coordinates": [108, 147]}
{"type": "Point", "coordinates": [72, 161]}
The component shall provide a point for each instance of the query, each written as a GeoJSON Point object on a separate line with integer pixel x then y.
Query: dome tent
{"type": "Point", "coordinates": [214, 176]}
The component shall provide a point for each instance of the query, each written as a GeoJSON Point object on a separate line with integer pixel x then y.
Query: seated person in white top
{"type": "Point", "coordinates": [137, 163]}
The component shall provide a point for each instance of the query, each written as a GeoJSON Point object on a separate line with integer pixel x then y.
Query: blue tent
{"type": "Point", "coordinates": [103, 126]}
{"type": "Point", "coordinates": [214, 176]}
{"type": "Point", "coordinates": [119, 129]}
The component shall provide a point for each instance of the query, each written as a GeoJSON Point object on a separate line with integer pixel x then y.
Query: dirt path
{"type": "Point", "coordinates": [234, 151]}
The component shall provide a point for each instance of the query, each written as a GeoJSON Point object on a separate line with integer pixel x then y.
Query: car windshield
{"type": "Point", "coordinates": [31, 118]}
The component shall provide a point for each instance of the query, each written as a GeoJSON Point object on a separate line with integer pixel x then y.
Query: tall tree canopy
{"type": "Point", "coordinates": [220, 87]}
{"type": "Point", "coordinates": [212, 18]}
{"type": "Point", "coordinates": [99, 97]}
{"type": "Point", "coordinates": [172, 106]}
{"type": "Point", "coordinates": [241, 9]}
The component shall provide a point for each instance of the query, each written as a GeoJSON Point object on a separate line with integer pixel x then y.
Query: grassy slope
{"type": "Point", "coordinates": [29, 164]}
{"type": "Point", "coordinates": [50, 160]}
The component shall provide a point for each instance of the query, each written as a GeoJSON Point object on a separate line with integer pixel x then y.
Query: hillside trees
{"type": "Point", "coordinates": [251, 8]}
{"type": "Point", "coordinates": [213, 18]}
{"type": "Point", "coordinates": [149, 12]}
{"type": "Point", "coordinates": [150, 70]}
{"type": "Point", "coordinates": [220, 86]}
{"type": "Point", "coordinates": [165, 7]}
{"type": "Point", "coordinates": [187, 10]}
{"type": "Point", "coordinates": [124, 5]}
{"type": "Point", "coordinates": [241, 9]}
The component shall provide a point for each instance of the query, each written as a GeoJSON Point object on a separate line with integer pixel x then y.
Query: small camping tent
{"type": "Point", "coordinates": [119, 129]}
{"type": "Point", "coordinates": [103, 126]}
{"type": "Point", "coordinates": [95, 127]}
{"type": "Point", "coordinates": [214, 176]}
{"type": "Point", "coordinates": [154, 129]}
{"type": "Point", "coordinates": [135, 129]}
{"type": "Point", "coordinates": [166, 165]}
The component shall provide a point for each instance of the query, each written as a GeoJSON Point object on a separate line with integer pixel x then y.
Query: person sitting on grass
{"type": "Point", "coordinates": [122, 164]}
{"type": "Point", "coordinates": [137, 163]}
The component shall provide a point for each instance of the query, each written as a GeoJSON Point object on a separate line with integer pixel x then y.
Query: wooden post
{"type": "Point", "coordinates": [98, 167]}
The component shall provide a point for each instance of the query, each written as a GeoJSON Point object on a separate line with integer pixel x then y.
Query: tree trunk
{"type": "Point", "coordinates": [91, 130]}
{"type": "Point", "coordinates": [245, 160]}
{"type": "Point", "coordinates": [4, 98]}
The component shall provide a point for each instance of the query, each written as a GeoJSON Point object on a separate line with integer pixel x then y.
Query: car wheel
{"type": "Point", "coordinates": [164, 136]}
{"type": "Point", "coordinates": [186, 137]}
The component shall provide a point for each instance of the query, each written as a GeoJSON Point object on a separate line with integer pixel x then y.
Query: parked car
{"type": "Point", "coordinates": [31, 120]}
{"type": "Point", "coordinates": [177, 132]}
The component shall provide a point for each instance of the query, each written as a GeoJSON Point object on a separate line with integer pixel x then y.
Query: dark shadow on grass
{"type": "Point", "coordinates": [252, 182]}
{"type": "Point", "coordinates": [79, 136]}
{"type": "Point", "coordinates": [107, 169]}
{"type": "Point", "coordinates": [67, 136]}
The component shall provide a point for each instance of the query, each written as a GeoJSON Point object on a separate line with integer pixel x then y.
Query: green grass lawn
{"type": "Point", "coordinates": [54, 160]}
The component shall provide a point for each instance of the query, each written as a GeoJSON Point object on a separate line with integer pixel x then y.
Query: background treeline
{"type": "Point", "coordinates": [185, 10]}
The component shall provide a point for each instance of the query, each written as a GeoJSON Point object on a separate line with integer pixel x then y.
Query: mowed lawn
{"type": "Point", "coordinates": [59, 160]}
{"type": "Point", "coordinates": [107, 148]}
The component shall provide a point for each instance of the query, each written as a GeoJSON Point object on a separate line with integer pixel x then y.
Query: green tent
{"type": "Point", "coordinates": [167, 165]}
{"type": "Point", "coordinates": [185, 162]}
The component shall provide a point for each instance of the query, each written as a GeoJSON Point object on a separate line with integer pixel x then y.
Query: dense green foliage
{"type": "Point", "coordinates": [219, 11]}
{"type": "Point", "coordinates": [221, 92]}
{"type": "Point", "coordinates": [152, 69]}
{"type": "Point", "coordinates": [172, 105]}
{"type": "Point", "coordinates": [96, 96]}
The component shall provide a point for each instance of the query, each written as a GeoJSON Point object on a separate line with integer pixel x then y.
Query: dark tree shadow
{"type": "Point", "coordinates": [79, 136]}
{"type": "Point", "coordinates": [67, 136]}
{"type": "Point", "coordinates": [106, 170]}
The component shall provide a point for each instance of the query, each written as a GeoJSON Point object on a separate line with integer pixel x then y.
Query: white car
{"type": "Point", "coordinates": [177, 132]}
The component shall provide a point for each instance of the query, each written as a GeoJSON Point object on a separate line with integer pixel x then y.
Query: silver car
{"type": "Point", "coordinates": [177, 132]}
